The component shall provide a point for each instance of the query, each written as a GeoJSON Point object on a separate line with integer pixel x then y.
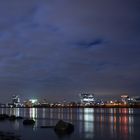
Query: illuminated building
{"type": "Point", "coordinates": [33, 101]}
{"type": "Point", "coordinates": [124, 98]}
{"type": "Point", "coordinates": [137, 99]}
{"type": "Point", "coordinates": [134, 100]}
{"type": "Point", "coordinates": [87, 98]}
{"type": "Point", "coordinates": [15, 100]}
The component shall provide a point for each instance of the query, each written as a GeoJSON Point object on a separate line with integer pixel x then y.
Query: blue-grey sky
{"type": "Point", "coordinates": [56, 49]}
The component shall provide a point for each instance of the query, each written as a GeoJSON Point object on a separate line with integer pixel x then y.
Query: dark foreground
{"type": "Point", "coordinates": [89, 123]}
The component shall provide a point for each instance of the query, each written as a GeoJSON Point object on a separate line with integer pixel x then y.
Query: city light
{"type": "Point", "coordinates": [33, 101]}
{"type": "Point", "coordinates": [84, 100]}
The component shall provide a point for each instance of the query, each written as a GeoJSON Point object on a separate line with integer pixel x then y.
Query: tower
{"type": "Point", "coordinates": [15, 100]}
{"type": "Point", "coordinates": [87, 98]}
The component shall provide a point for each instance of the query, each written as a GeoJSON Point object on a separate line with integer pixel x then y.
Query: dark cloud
{"type": "Point", "coordinates": [89, 44]}
{"type": "Point", "coordinates": [55, 49]}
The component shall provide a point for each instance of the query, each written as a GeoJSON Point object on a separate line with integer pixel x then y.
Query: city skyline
{"type": "Point", "coordinates": [57, 49]}
{"type": "Point", "coordinates": [85, 100]}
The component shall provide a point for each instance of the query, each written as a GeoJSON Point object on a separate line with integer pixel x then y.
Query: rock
{"type": "Point", "coordinates": [28, 122]}
{"type": "Point", "coordinates": [47, 126]}
{"type": "Point", "coordinates": [19, 118]}
{"type": "Point", "coordinates": [8, 136]}
{"type": "Point", "coordinates": [3, 117]}
{"type": "Point", "coordinates": [62, 128]}
{"type": "Point", "coordinates": [12, 118]}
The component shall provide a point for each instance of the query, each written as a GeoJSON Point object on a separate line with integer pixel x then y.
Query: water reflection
{"type": "Point", "coordinates": [126, 121]}
{"type": "Point", "coordinates": [88, 118]}
{"type": "Point", "coordinates": [33, 113]}
{"type": "Point", "coordinates": [16, 112]}
{"type": "Point", "coordinates": [52, 115]}
{"type": "Point", "coordinates": [110, 121]}
{"type": "Point", "coordinates": [89, 122]}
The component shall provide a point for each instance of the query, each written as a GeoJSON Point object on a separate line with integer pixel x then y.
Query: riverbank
{"type": "Point", "coordinates": [84, 106]}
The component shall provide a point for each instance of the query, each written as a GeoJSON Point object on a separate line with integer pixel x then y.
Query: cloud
{"type": "Point", "coordinates": [87, 44]}
{"type": "Point", "coordinates": [55, 49]}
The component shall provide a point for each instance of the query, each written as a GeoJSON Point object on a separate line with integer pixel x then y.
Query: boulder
{"type": "Point", "coordinates": [46, 126]}
{"type": "Point", "coordinates": [62, 127]}
{"type": "Point", "coordinates": [19, 118]}
{"type": "Point", "coordinates": [12, 118]}
{"type": "Point", "coordinates": [8, 136]}
{"type": "Point", "coordinates": [28, 122]}
{"type": "Point", "coordinates": [3, 116]}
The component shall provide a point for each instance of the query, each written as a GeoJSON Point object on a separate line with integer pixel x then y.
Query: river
{"type": "Point", "coordinates": [89, 123]}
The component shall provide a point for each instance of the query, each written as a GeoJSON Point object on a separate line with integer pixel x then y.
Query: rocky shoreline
{"type": "Point", "coordinates": [61, 128]}
{"type": "Point", "coordinates": [9, 136]}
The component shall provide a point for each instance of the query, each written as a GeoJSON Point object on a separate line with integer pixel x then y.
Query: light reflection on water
{"type": "Point", "coordinates": [90, 123]}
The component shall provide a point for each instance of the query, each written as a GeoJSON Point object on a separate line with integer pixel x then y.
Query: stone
{"type": "Point", "coordinates": [3, 117]}
{"type": "Point", "coordinates": [28, 122]}
{"type": "Point", "coordinates": [12, 118]}
{"type": "Point", "coordinates": [62, 127]}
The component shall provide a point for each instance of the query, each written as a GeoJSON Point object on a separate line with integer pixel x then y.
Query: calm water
{"type": "Point", "coordinates": [98, 124]}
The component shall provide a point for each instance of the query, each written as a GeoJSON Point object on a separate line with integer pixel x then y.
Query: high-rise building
{"type": "Point", "coordinates": [124, 98]}
{"type": "Point", "coordinates": [15, 100]}
{"type": "Point", "coordinates": [134, 100]}
{"type": "Point", "coordinates": [86, 98]}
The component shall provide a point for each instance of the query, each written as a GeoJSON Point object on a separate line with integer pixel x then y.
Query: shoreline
{"type": "Point", "coordinates": [94, 106]}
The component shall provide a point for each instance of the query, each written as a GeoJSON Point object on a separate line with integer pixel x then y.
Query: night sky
{"type": "Point", "coordinates": [56, 49]}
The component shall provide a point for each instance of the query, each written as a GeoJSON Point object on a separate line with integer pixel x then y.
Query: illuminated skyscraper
{"type": "Point", "coordinates": [124, 98]}
{"type": "Point", "coordinates": [87, 98]}
{"type": "Point", "coordinates": [15, 100]}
